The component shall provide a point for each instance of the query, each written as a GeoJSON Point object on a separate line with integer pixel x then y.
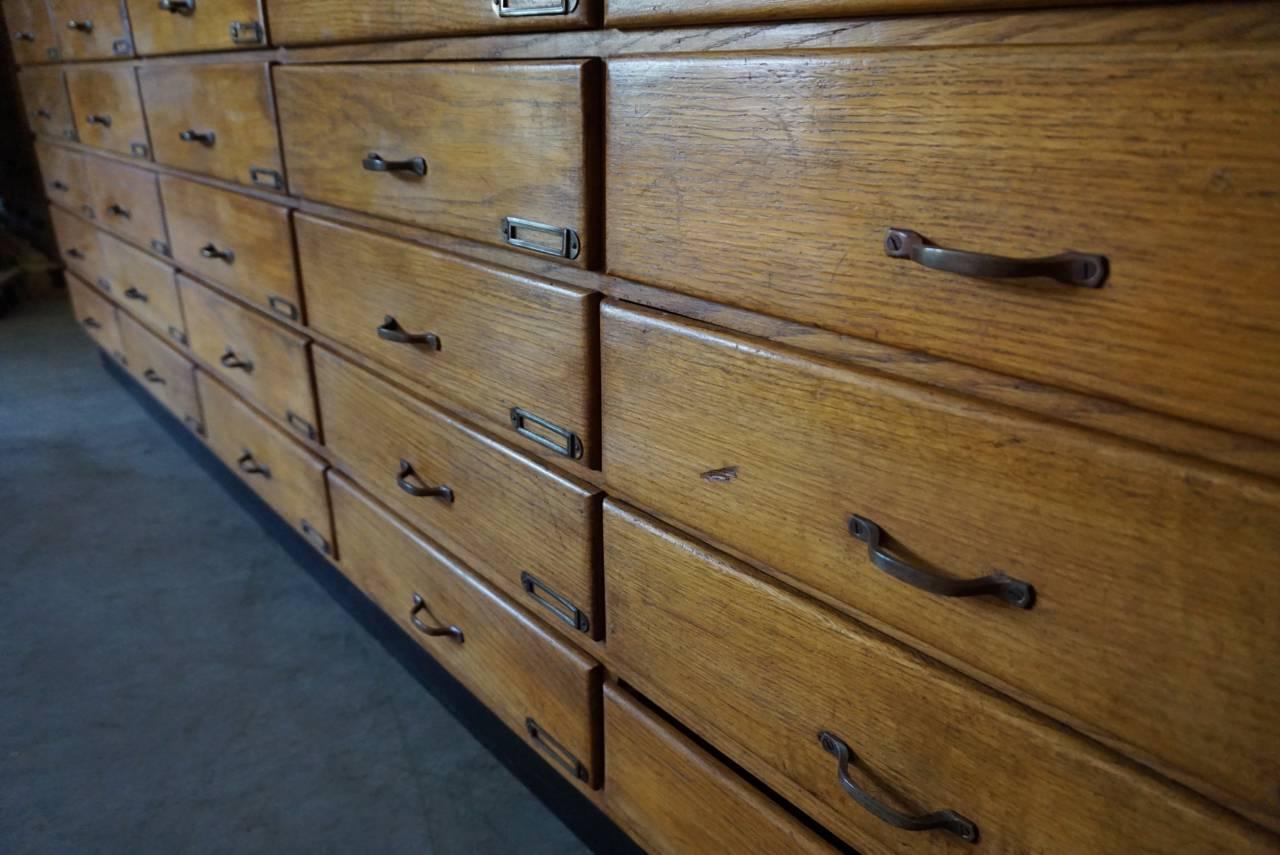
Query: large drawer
{"type": "Point", "coordinates": [146, 286]}
{"type": "Point", "coordinates": [309, 21]}
{"type": "Point", "coordinates": [127, 202]}
{"type": "Point", "coordinates": [166, 374]}
{"type": "Point", "coordinates": [91, 29]}
{"type": "Point", "coordinates": [236, 241]}
{"type": "Point", "coordinates": [216, 120]}
{"type": "Point", "coordinates": [107, 108]}
{"type": "Point", "coordinates": [44, 95]}
{"type": "Point", "coordinates": [64, 176]}
{"type": "Point", "coordinates": [773, 183]}
{"type": "Point", "coordinates": [78, 244]}
{"type": "Point", "coordinates": [526, 528]}
{"type": "Point", "coordinates": [262, 360]}
{"type": "Point", "coordinates": [496, 152]}
{"type": "Point", "coordinates": [498, 344]}
{"type": "Point", "coordinates": [97, 316]}
{"type": "Point", "coordinates": [31, 33]}
{"type": "Point", "coordinates": [287, 476]}
{"type": "Point", "coordinates": [187, 27]}
{"type": "Point", "coordinates": [1152, 619]}
{"type": "Point", "coordinates": [666, 13]}
{"type": "Point", "coordinates": [541, 687]}
{"type": "Point", "coordinates": [786, 687]}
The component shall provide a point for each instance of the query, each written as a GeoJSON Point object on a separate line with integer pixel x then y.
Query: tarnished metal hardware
{"type": "Point", "coordinates": [60, 186]}
{"type": "Point", "coordinates": [117, 211]}
{"type": "Point", "coordinates": [161, 247]}
{"type": "Point", "coordinates": [211, 251]}
{"type": "Point", "coordinates": [133, 293]}
{"type": "Point", "coordinates": [249, 466]}
{"type": "Point", "coordinates": [122, 47]}
{"type": "Point", "coordinates": [207, 138]}
{"type": "Point", "coordinates": [179, 7]}
{"type": "Point", "coordinates": [23, 36]}
{"type": "Point", "coordinates": [42, 113]}
{"type": "Point", "coordinates": [230, 360]}
{"type": "Point", "coordinates": [1082, 269]}
{"type": "Point", "coordinates": [390, 330]}
{"type": "Point", "coordinates": [281, 306]}
{"type": "Point", "coordinates": [246, 33]}
{"type": "Point", "coordinates": [177, 335]}
{"type": "Point", "coordinates": [104, 284]}
{"type": "Point", "coordinates": [75, 253]}
{"type": "Point", "coordinates": [440, 491]}
{"type": "Point", "coordinates": [947, 820]}
{"type": "Point", "coordinates": [153, 376]}
{"type": "Point", "coordinates": [92, 323]}
{"type": "Point", "coordinates": [52, 53]}
{"type": "Point", "coordinates": [300, 424]}
{"type": "Point", "coordinates": [438, 631]}
{"type": "Point", "coordinates": [559, 606]}
{"type": "Point", "coordinates": [82, 26]}
{"type": "Point", "coordinates": [1015, 592]}
{"type": "Point", "coordinates": [560, 755]}
{"type": "Point", "coordinates": [317, 539]}
{"type": "Point", "coordinates": [565, 245]}
{"type": "Point", "coordinates": [516, 9]}
{"type": "Point", "coordinates": [374, 162]}
{"type": "Point", "coordinates": [569, 444]}
{"type": "Point", "coordinates": [98, 119]}
{"type": "Point", "coordinates": [266, 178]}
{"type": "Point", "coordinates": [139, 149]}
{"type": "Point", "coordinates": [193, 424]}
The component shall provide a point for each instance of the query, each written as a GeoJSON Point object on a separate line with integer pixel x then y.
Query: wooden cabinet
{"type": "Point", "coordinates": [92, 29]}
{"type": "Point", "coordinates": [32, 37]}
{"type": "Point", "coordinates": [45, 99]}
{"type": "Point", "coordinates": [108, 110]}
{"type": "Point", "coordinates": [182, 27]}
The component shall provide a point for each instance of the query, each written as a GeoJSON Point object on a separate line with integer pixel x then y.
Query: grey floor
{"type": "Point", "coordinates": [172, 682]}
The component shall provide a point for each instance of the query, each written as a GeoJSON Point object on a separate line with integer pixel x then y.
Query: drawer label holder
{"type": "Point", "coordinates": [565, 441]}
{"type": "Point", "coordinates": [245, 33]}
{"type": "Point", "coordinates": [528, 234]}
{"type": "Point", "coordinates": [521, 9]}
{"type": "Point", "coordinates": [558, 605]}
{"type": "Point", "coordinates": [266, 177]}
{"type": "Point", "coordinates": [555, 750]}
{"type": "Point", "coordinates": [300, 424]}
{"type": "Point", "coordinates": [282, 307]}
{"type": "Point", "coordinates": [316, 538]}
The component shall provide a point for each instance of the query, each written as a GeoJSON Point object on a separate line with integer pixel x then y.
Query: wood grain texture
{"type": "Point", "coordinates": [126, 200]}
{"type": "Point", "coordinates": [312, 21]}
{"type": "Point", "coordinates": [45, 99]}
{"type": "Point", "coordinates": [147, 286]}
{"type": "Point", "coordinates": [770, 452]}
{"type": "Point", "coordinates": [760, 672]}
{"type": "Point", "coordinates": [63, 176]}
{"type": "Point", "coordinates": [505, 340]}
{"type": "Point", "coordinates": [32, 37]}
{"type": "Point", "coordinates": [508, 660]}
{"type": "Point", "coordinates": [77, 244]}
{"type": "Point", "coordinates": [166, 374]}
{"type": "Point", "coordinates": [664, 13]}
{"type": "Point", "coordinates": [770, 182]}
{"type": "Point", "coordinates": [499, 139]}
{"type": "Point", "coordinates": [510, 512]}
{"type": "Point", "coordinates": [108, 93]}
{"type": "Point", "coordinates": [207, 27]}
{"type": "Point", "coordinates": [108, 38]}
{"type": "Point", "coordinates": [96, 316]}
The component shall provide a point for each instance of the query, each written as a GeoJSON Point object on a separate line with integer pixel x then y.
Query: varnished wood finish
{"type": "Point", "coordinates": [761, 672]}
{"type": "Point", "coordinates": [510, 512]}
{"type": "Point", "coordinates": [109, 36]}
{"type": "Point", "coordinates": [508, 660]}
{"type": "Point", "coordinates": [31, 34]}
{"type": "Point", "coordinates": [44, 97]}
{"type": "Point", "coordinates": [770, 452]}
{"type": "Point", "coordinates": [650, 13]}
{"type": "Point", "coordinates": [63, 175]}
{"type": "Point", "coordinates": [166, 374]}
{"type": "Point", "coordinates": [126, 201]}
{"type": "Point", "coordinates": [499, 139]}
{"type": "Point", "coordinates": [78, 244]}
{"type": "Point", "coordinates": [96, 316]}
{"type": "Point", "coordinates": [207, 27]}
{"type": "Point", "coordinates": [505, 341]}
{"type": "Point", "coordinates": [109, 91]}
{"type": "Point", "coordinates": [145, 285]}
{"type": "Point", "coordinates": [312, 21]}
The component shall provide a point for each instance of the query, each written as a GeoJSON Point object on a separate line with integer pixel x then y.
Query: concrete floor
{"type": "Point", "coordinates": [171, 681]}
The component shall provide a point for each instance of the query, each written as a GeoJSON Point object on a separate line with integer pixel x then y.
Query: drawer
{"type": "Point", "coordinates": [216, 120]}
{"type": "Point", "coordinates": [310, 21]}
{"type": "Point", "coordinates": [666, 13]}
{"type": "Point", "coordinates": [257, 357]}
{"type": "Point", "coordinates": [287, 476]}
{"type": "Point", "coordinates": [499, 144]}
{"type": "Point", "coordinates": [96, 315]}
{"type": "Point", "coordinates": [78, 244]}
{"type": "Point", "coordinates": [774, 455]}
{"type": "Point", "coordinates": [146, 286]}
{"type": "Point", "coordinates": [503, 345]}
{"type": "Point", "coordinates": [63, 173]}
{"type": "Point", "coordinates": [91, 29]}
{"type": "Point", "coordinates": [519, 523]}
{"type": "Point", "coordinates": [235, 241]}
{"type": "Point", "coordinates": [763, 674]}
{"type": "Point", "coordinates": [31, 33]}
{"type": "Point", "coordinates": [127, 202]}
{"type": "Point", "coordinates": [677, 799]}
{"type": "Point", "coordinates": [188, 27]}
{"type": "Point", "coordinates": [44, 96]}
{"type": "Point", "coordinates": [107, 109]}
{"type": "Point", "coordinates": [165, 373]}
{"type": "Point", "coordinates": [541, 687]}
{"type": "Point", "coordinates": [784, 204]}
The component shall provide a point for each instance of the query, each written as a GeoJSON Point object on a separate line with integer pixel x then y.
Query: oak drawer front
{"type": "Point", "coordinates": [127, 202]}
{"type": "Point", "coordinates": [63, 174]}
{"type": "Point", "coordinates": [216, 120]}
{"type": "Point", "coordinates": [31, 33]}
{"type": "Point", "coordinates": [524, 527]}
{"type": "Point", "coordinates": [44, 96]}
{"type": "Point", "coordinates": [146, 286]}
{"type": "Point", "coordinates": [265, 362]}
{"type": "Point", "coordinates": [761, 673]}
{"type": "Point", "coordinates": [784, 204]}
{"type": "Point", "coordinates": [679, 799]}
{"type": "Point", "coordinates": [542, 687]}
{"type": "Point", "coordinates": [236, 241]}
{"type": "Point", "coordinates": [496, 343]}
{"type": "Point", "coordinates": [107, 109]}
{"type": "Point", "coordinates": [665, 13]}
{"type": "Point", "coordinates": [312, 21]}
{"type": "Point", "coordinates": [494, 141]}
{"type": "Point", "coordinates": [287, 476]}
{"type": "Point", "coordinates": [91, 29]}
{"type": "Point", "coordinates": [96, 316]}
{"type": "Point", "coordinates": [191, 27]}
{"type": "Point", "coordinates": [78, 244]}
{"type": "Point", "coordinates": [773, 454]}
{"type": "Point", "coordinates": [165, 373]}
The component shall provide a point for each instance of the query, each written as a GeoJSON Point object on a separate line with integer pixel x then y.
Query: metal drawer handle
{"type": "Point", "coordinates": [60, 186]}
{"type": "Point", "coordinates": [91, 323]}
{"type": "Point", "coordinates": [82, 26]}
{"type": "Point", "coordinates": [42, 113]}
{"type": "Point", "coordinates": [134, 294]}
{"type": "Point", "coordinates": [75, 253]}
{"type": "Point", "coordinates": [23, 36]}
{"type": "Point", "coordinates": [211, 251]}
{"type": "Point", "coordinates": [249, 466]}
{"type": "Point", "coordinates": [441, 492]}
{"type": "Point", "coordinates": [1070, 268]}
{"type": "Point", "coordinates": [230, 360]}
{"type": "Point", "coordinates": [153, 376]}
{"type": "Point", "coordinates": [374, 163]}
{"type": "Point", "coordinates": [1013, 591]}
{"type": "Point", "coordinates": [947, 820]}
{"type": "Point", "coordinates": [184, 7]}
{"type": "Point", "coordinates": [98, 119]}
{"type": "Point", "coordinates": [116, 211]}
{"type": "Point", "coordinates": [202, 137]}
{"type": "Point", "coordinates": [392, 331]}
{"type": "Point", "coordinates": [420, 606]}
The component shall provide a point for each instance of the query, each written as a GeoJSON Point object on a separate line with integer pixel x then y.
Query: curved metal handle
{"type": "Point", "coordinates": [185, 7]}
{"type": "Point", "coordinates": [1083, 269]}
{"type": "Point", "coordinates": [42, 113]}
{"type": "Point", "coordinates": [374, 163]}
{"type": "Point", "coordinates": [134, 294]}
{"type": "Point", "coordinates": [249, 466]}
{"type": "Point", "coordinates": [153, 376]}
{"type": "Point", "coordinates": [420, 605]}
{"type": "Point", "coordinates": [117, 211]}
{"type": "Point", "coordinates": [441, 492]}
{"type": "Point", "coordinates": [75, 253]}
{"type": "Point", "coordinates": [392, 331]}
{"type": "Point", "coordinates": [948, 820]}
{"type": "Point", "coordinates": [98, 119]}
{"type": "Point", "coordinates": [230, 360]}
{"type": "Point", "coordinates": [82, 26]}
{"type": "Point", "coordinates": [91, 323]}
{"type": "Point", "coordinates": [1013, 591]}
{"type": "Point", "coordinates": [60, 186]}
{"type": "Point", "coordinates": [211, 251]}
{"type": "Point", "coordinates": [202, 137]}
{"type": "Point", "coordinates": [23, 36]}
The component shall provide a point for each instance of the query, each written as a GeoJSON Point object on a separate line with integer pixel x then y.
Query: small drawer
{"type": "Point", "coordinates": [97, 316]}
{"type": "Point", "coordinates": [216, 120]}
{"type": "Point", "coordinates": [526, 528]}
{"type": "Point", "coordinates": [312, 21]}
{"type": "Point", "coordinates": [262, 360]}
{"type": "Point", "coordinates": [165, 373]}
{"type": "Point", "coordinates": [185, 26]}
{"type": "Point", "coordinates": [540, 686]}
{"type": "Point", "coordinates": [146, 286]}
{"type": "Point", "coordinates": [31, 33]}
{"type": "Point", "coordinates": [78, 245]}
{"type": "Point", "coordinates": [235, 241]}
{"type": "Point", "coordinates": [287, 476]}
{"type": "Point", "coordinates": [514, 350]}
{"type": "Point", "coordinates": [818, 706]}
{"type": "Point", "coordinates": [495, 151]}
{"type": "Point", "coordinates": [676, 799]}
{"type": "Point", "coordinates": [44, 96]}
{"type": "Point", "coordinates": [64, 176]}
{"type": "Point", "coordinates": [127, 202]}
{"type": "Point", "coordinates": [107, 109]}
{"type": "Point", "coordinates": [91, 29]}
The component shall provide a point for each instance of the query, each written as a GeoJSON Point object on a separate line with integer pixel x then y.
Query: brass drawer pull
{"type": "Point", "coordinates": [555, 750]}
{"type": "Point", "coordinates": [440, 491]}
{"type": "Point", "coordinates": [373, 162]}
{"type": "Point", "coordinates": [117, 211]}
{"type": "Point", "coordinates": [420, 606]}
{"type": "Point", "coordinates": [60, 186]}
{"type": "Point", "coordinates": [558, 605]}
{"type": "Point", "coordinates": [211, 251]}
{"type": "Point", "coordinates": [202, 137]}
{"type": "Point", "coordinates": [75, 253]}
{"type": "Point", "coordinates": [947, 820]}
{"type": "Point", "coordinates": [82, 26]}
{"type": "Point", "coordinates": [249, 466]}
{"type": "Point", "coordinates": [134, 294]}
{"type": "Point", "coordinates": [1013, 591]}
{"type": "Point", "coordinates": [514, 9]}
{"type": "Point", "coordinates": [98, 119]}
{"type": "Point", "coordinates": [392, 331]}
{"type": "Point", "coordinates": [182, 7]}
{"type": "Point", "coordinates": [153, 376]}
{"type": "Point", "coordinates": [24, 36]}
{"type": "Point", "coordinates": [1070, 268]}
{"type": "Point", "coordinates": [91, 323]}
{"type": "Point", "coordinates": [230, 360]}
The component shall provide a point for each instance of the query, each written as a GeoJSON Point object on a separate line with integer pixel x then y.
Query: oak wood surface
{"type": "Point", "coordinates": [663, 13]}
{"type": "Point", "coordinates": [166, 374]}
{"type": "Point", "coordinates": [207, 27]}
{"type": "Point", "coordinates": [313, 21]}
{"type": "Point", "coordinates": [31, 34]}
{"type": "Point", "coordinates": [147, 286]}
{"type": "Point", "coordinates": [77, 244]}
{"type": "Point", "coordinates": [63, 176]}
{"type": "Point", "coordinates": [126, 201]}
{"type": "Point", "coordinates": [45, 99]}
{"type": "Point", "coordinates": [108, 93]}
{"type": "Point", "coordinates": [108, 37]}
{"type": "Point", "coordinates": [96, 316]}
